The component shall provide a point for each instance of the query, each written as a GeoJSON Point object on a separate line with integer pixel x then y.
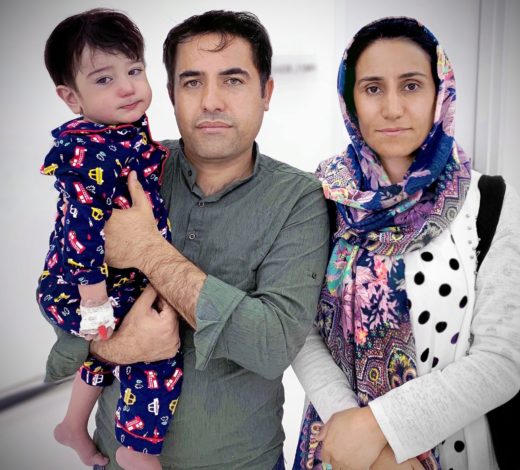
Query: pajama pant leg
{"type": "Point", "coordinates": [147, 401]}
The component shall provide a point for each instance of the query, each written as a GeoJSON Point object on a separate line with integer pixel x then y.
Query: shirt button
{"type": "Point", "coordinates": [190, 173]}
{"type": "Point", "coordinates": [192, 236]}
{"type": "Point", "coordinates": [200, 204]}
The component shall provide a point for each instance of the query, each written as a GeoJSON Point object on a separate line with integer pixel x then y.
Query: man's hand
{"type": "Point", "coordinates": [145, 335]}
{"type": "Point", "coordinates": [131, 233]}
{"type": "Point", "coordinates": [351, 439]}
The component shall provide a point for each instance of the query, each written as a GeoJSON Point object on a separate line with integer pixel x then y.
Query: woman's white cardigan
{"type": "Point", "coordinates": [486, 372]}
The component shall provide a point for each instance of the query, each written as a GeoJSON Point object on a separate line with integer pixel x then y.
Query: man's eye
{"type": "Point", "coordinates": [192, 84]}
{"type": "Point", "coordinates": [233, 81]}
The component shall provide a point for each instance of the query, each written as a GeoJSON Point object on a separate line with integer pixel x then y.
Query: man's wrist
{"type": "Point", "coordinates": [152, 251]}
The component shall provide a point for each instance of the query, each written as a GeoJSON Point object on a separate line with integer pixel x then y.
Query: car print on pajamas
{"type": "Point", "coordinates": [75, 243]}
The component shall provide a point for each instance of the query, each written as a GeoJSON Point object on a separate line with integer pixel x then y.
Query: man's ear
{"type": "Point", "coordinates": [268, 92]}
{"type": "Point", "coordinates": [69, 97]}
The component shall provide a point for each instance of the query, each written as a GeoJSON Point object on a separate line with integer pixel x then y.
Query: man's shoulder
{"type": "Point", "coordinates": [278, 169]}
{"type": "Point", "coordinates": [172, 144]}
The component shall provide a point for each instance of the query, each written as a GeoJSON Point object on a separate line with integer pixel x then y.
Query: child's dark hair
{"type": "Point", "coordinates": [99, 29]}
{"type": "Point", "coordinates": [387, 28]}
{"type": "Point", "coordinates": [227, 24]}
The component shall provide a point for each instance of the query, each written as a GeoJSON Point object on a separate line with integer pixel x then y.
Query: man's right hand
{"type": "Point", "coordinates": [145, 335]}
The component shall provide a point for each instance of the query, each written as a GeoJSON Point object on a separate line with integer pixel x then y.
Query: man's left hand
{"type": "Point", "coordinates": [130, 233]}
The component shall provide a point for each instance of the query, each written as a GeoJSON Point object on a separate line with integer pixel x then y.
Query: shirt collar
{"type": "Point", "coordinates": [190, 175]}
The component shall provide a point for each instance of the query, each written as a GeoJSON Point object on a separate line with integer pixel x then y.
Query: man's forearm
{"type": "Point", "coordinates": [176, 278]}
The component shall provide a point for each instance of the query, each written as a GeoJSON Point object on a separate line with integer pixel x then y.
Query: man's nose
{"type": "Point", "coordinates": [212, 97]}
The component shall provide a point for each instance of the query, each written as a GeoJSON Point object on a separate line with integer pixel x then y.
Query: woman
{"type": "Point", "coordinates": [404, 325]}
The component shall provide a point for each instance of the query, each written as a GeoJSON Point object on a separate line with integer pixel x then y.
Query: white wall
{"type": "Point", "coordinates": [507, 154]}
{"type": "Point", "coordinates": [303, 126]}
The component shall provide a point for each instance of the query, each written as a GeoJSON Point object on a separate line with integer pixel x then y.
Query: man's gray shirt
{"type": "Point", "coordinates": [263, 241]}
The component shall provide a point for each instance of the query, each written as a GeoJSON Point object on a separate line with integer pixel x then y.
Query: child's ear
{"type": "Point", "coordinates": [70, 97]}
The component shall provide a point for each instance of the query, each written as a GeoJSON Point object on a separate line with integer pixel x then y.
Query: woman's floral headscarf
{"type": "Point", "coordinates": [363, 313]}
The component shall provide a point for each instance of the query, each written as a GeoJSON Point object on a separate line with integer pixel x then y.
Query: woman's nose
{"type": "Point", "coordinates": [392, 106]}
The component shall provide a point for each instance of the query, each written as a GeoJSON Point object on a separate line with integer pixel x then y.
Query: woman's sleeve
{"type": "Point", "coordinates": [324, 383]}
{"type": "Point", "coordinates": [421, 413]}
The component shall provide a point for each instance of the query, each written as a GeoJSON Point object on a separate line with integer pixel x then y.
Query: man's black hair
{"type": "Point", "coordinates": [228, 24]}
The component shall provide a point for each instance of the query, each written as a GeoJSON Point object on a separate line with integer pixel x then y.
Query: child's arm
{"type": "Point", "coordinates": [97, 313]}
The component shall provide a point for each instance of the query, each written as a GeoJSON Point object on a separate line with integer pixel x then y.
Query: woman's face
{"type": "Point", "coordinates": [394, 94]}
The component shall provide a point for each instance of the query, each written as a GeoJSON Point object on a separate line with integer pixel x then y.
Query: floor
{"type": "Point", "coordinates": [33, 421]}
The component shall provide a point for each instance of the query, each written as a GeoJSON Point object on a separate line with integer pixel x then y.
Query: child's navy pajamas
{"type": "Point", "coordinates": [91, 163]}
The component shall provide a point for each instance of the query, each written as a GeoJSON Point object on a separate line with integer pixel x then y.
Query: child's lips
{"type": "Point", "coordinates": [130, 106]}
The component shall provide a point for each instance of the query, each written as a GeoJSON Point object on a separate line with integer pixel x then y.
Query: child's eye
{"type": "Point", "coordinates": [135, 71]}
{"type": "Point", "coordinates": [103, 80]}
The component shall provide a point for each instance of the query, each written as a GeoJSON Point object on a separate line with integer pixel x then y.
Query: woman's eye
{"type": "Point", "coordinates": [412, 86]}
{"type": "Point", "coordinates": [372, 90]}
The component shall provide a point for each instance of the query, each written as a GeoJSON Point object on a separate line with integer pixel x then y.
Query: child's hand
{"type": "Point", "coordinates": [101, 334]}
{"type": "Point", "coordinates": [97, 322]}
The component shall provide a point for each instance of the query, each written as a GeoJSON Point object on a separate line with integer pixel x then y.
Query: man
{"type": "Point", "coordinates": [250, 242]}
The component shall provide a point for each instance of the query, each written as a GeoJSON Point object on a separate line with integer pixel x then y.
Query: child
{"type": "Point", "coordinates": [96, 60]}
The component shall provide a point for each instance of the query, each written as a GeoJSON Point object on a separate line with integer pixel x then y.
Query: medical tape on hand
{"type": "Point", "coordinates": [94, 317]}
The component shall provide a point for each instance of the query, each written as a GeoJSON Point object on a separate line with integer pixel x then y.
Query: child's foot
{"type": "Point", "coordinates": [82, 443]}
{"type": "Point", "coordinates": [132, 460]}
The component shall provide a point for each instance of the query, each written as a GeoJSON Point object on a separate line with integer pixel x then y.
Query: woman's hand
{"type": "Point", "coordinates": [386, 461]}
{"type": "Point", "coordinates": [351, 439]}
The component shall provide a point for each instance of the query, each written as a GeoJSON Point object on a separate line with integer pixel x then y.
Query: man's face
{"type": "Point", "coordinates": [218, 99]}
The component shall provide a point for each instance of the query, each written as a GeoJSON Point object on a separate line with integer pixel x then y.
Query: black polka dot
{"type": "Point", "coordinates": [426, 256]}
{"type": "Point", "coordinates": [445, 290]}
{"type": "Point", "coordinates": [454, 264]}
{"type": "Point", "coordinates": [441, 326]}
{"type": "Point", "coordinates": [454, 338]}
{"type": "Point", "coordinates": [435, 361]}
{"type": "Point", "coordinates": [459, 446]}
{"type": "Point", "coordinates": [409, 304]}
{"type": "Point", "coordinates": [424, 355]}
{"type": "Point", "coordinates": [424, 317]}
{"type": "Point", "coordinates": [419, 278]}
{"type": "Point", "coordinates": [463, 302]}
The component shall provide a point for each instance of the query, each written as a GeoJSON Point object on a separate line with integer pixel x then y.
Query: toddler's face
{"type": "Point", "coordinates": [110, 88]}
